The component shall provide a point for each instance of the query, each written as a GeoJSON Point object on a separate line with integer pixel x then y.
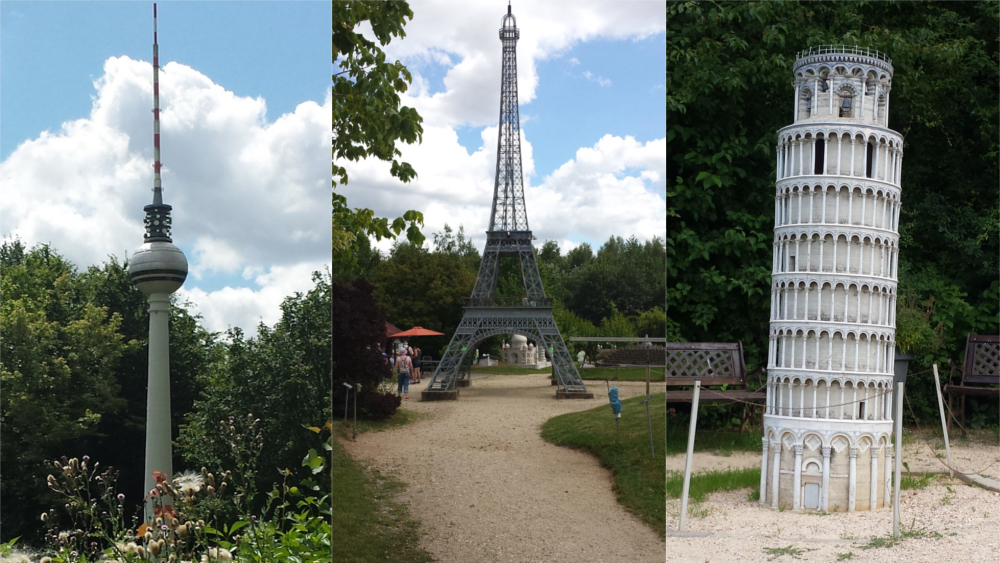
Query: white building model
{"type": "Point", "coordinates": [522, 354]}
{"type": "Point", "coordinates": [833, 288]}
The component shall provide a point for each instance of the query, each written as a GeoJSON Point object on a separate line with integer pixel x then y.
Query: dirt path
{"type": "Point", "coordinates": [962, 522]}
{"type": "Point", "coordinates": [487, 488]}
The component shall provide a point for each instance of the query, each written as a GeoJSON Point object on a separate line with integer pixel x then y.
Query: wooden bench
{"type": "Point", "coordinates": [714, 364]}
{"type": "Point", "coordinates": [980, 369]}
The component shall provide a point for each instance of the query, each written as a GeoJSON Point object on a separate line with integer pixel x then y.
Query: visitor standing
{"type": "Point", "coordinates": [416, 364]}
{"type": "Point", "coordinates": [581, 357]}
{"type": "Point", "coordinates": [403, 367]}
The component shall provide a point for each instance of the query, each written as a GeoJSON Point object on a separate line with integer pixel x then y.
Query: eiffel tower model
{"type": "Point", "coordinates": [508, 236]}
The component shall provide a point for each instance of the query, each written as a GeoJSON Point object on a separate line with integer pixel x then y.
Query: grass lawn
{"type": "Point", "coordinates": [639, 479]}
{"type": "Point", "coordinates": [589, 374]}
{"type": "Point", "coordinates": [374, 527]}
{"type": "Point", "coordinates": [711, 481]}
{"type": "Point", "coordinates": [722, 441]}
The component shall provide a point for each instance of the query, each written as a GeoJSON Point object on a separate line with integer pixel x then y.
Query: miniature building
{"type": "Point", "coordinates": [833, 288]}
{"type": "Point", "coordinates": [519, 353]}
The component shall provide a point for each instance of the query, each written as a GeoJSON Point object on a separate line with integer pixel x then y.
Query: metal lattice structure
{"type": "Point", "coordinates": [636, 355]}
{"type": "Point", "coordinates": [508, 236]}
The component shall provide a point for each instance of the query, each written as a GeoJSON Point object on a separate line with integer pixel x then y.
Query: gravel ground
{"type": "Point", "coordinates": [732, 529]}
{"type": "Point", "coordinates": [487, 488]}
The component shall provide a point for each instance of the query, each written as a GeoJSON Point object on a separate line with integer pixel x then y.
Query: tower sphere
{"type": "Point", "coordinates": [158, 267]}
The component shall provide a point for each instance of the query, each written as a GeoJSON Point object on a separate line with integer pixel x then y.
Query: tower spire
{"type": "Point", "coordinates": [508, 212]}
{"type": "Point", "coordinates": [157, 185]}
{"type": "Point", "coordinates": [158, 214]}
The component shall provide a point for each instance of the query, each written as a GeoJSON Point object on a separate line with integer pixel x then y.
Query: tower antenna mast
{"type": "Point", "coordinates": [157, 185]}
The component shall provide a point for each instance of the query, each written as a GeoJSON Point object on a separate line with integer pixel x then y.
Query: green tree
{"type": "Point", "coordinates": [59, 356]}
{"type": "Point", "coordinates": [728, 92]}
{"type": "Point", "coordinates": [282, 376]}
{"type": "Point", "coordinates": [415, 287]}
{"type": "Point", "coordinates": [368, 119]}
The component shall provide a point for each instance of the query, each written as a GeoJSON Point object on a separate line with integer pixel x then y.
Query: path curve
{"type": "Point", "coordinates": [487, 488]}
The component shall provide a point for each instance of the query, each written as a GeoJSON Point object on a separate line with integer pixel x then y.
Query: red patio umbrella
{"type": "Point", "coordinates": [417, 331]}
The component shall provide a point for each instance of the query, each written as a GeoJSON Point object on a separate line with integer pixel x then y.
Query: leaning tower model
{"type": "Point", "coordinates": [828, 415]}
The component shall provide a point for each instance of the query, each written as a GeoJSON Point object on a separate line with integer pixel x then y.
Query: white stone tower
{"type": "Point", "coordinates": [833, 288]}
{"type": "Point", "coordinates": [158, 268]}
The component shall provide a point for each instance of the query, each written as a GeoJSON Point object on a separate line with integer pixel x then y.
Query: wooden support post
{"type": "Point", "coordinates": [690, 454]}
{"type": "Point", "coordinates": [944, 425]}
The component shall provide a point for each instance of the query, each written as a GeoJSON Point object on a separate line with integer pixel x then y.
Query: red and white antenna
{"type": "Point", "coordinates": [157, 186]}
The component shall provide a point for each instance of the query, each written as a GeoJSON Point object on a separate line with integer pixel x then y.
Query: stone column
{"type": "Point", "coordinates": [840, 143]}
{"type": "Point", "coordinates": [874, 480]}
{"type": "Point", "coordinates": [776, 473]}
{"type": "Point", "coordinates": [797, 480]}
{"type": "Point", "coordinates": [824, 503]}
{"type": "Point", "coordinates": [852, 158]}
{"type": "Point", "coordinates": [852, 479]}
{"type": "Point", "coordinates": [763, 472]}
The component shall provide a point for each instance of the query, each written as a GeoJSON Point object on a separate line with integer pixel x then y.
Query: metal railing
{"type": "Point", "coordinates": [507, 302]}
{"type": "Point", "coordinates": [849, 49]}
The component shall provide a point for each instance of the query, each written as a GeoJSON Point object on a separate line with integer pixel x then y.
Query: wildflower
{"type": "Point", "coordinates": [86, 458]}
{"type": "Point", "coordinates": [45, 517]}
{"type": "Point", "coordinates": [45, 560]}
{"type": "Point", "coordinates": [121, 496]}
{"type": "Point", "coordinates": [182, 530]}
{"type": "Point", "coordinates": [154, 548]}
{"type": "Point", "coordinates": [217, 555]}
{"type": "Point", "coordinates": [189, 483]}
{"type": "Point", "coordinates": [159, 476]}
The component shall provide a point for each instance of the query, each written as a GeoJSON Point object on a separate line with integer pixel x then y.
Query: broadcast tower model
{"type": "Point", "coordinates": [158, 268]}
{"type": "Point", "coordinates": [833, 288]}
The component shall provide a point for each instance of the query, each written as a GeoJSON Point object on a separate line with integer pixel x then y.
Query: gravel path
{"type": "Point", "coordinates": [733, 529]}
{"type": "Point", "coordinates": [487, 488]}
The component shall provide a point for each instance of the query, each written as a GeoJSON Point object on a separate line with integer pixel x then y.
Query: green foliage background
{"type": "Point", "coordinates": [617, 291]}
{"type": "Point", "coordinates": [73, 369]}
{"type": "Point", "coordinates": [728, 92]}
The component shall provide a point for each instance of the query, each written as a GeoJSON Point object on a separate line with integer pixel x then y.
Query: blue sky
{"type": "Point", "coordinates": [591, 79]}
{"type": "Point", "coordinates": [51, 52]}
{"type": "Point", "coordinates": [227, 163]}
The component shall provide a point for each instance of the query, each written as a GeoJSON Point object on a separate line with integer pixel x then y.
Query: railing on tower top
{"type": "Point", "coordinates": [507, 302]}
{"type": "Point", "coordinates": [852, 49]}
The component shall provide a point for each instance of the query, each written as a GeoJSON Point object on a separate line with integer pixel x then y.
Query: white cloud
{"type": "Point", "coordinates": [574, 61]}
{"type": "Point", "coordinates": [600, 80]}
{"type": "Point", "coordinates": [548, 29]}
{"type": "Point", "coordinates": [245, 307]}
{"type": "Point", "coordinates": [249, 195]}
{"type": "Point", "coordinates": [615, 186]}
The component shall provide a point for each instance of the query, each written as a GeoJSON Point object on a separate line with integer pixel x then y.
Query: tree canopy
{"type": "Point", "coordinates": [368, 119]}
{"type": "Point", "coordinates": [728, 92]}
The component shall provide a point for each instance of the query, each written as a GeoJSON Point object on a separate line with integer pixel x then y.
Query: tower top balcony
{"type": "Point", "coordinates": [842, 54]}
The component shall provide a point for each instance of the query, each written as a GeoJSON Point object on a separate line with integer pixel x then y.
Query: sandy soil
{"type": "Point", "coordinates": [487, 488]}
{"type": "Point", "coordinates": [730, 528]}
